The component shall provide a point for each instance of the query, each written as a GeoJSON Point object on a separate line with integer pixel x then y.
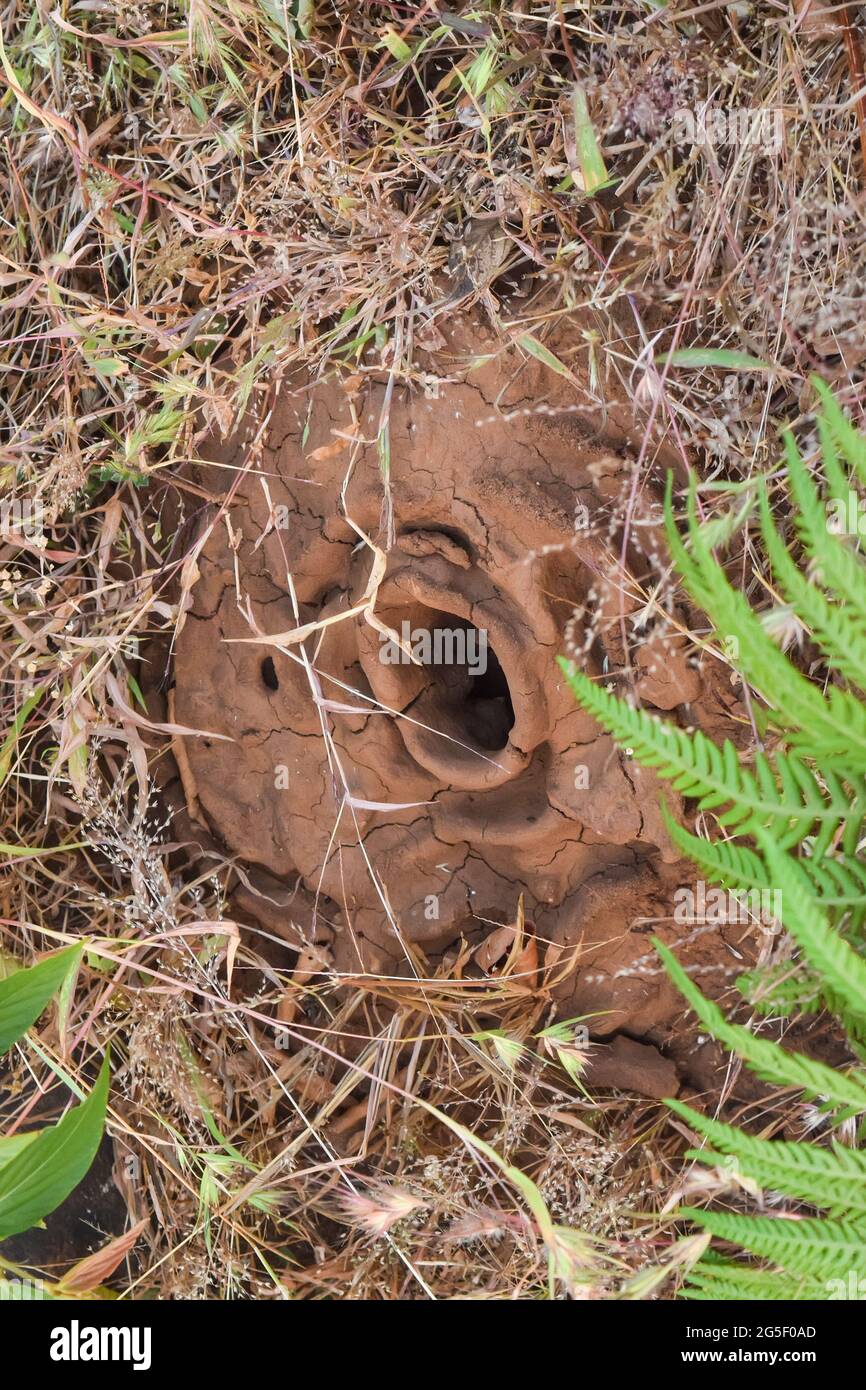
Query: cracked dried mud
{"type": "Point", "coordinates": [390, 810]}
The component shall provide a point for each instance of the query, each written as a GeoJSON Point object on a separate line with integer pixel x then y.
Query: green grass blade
{"type": "Point", "coordinates": [42, 1176]}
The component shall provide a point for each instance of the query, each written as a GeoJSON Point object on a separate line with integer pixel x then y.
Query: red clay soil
{"type": "Point", "coordinates": [379, 806]}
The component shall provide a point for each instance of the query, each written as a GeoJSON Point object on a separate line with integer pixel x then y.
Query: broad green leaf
{"type": "Point", "coordinates": [25, 994]}
{"type": "Point", "coordinates": [64, 1007]}
{"type": "Point", "coordinates": [13, 1144]}
{"type": "Point", "coordinates": [39, 1178]}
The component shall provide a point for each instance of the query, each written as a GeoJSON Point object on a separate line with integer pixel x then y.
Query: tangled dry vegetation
{"type": "Point", "coordinates": [197, 197]}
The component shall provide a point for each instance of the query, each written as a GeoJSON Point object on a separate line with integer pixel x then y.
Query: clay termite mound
{"type": "Point", "coordinates": [415, 769]}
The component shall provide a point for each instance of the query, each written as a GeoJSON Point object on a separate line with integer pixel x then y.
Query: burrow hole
{"type": "Point", "coordinates": [478, 700]}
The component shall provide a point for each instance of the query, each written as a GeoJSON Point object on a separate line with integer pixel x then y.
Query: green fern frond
{"type": "Point", "coordinates": [803, 809]}
{"type": "Point", "coordinates": [839, 882]}
{"type": "Point", "coordinates": [769, 1060]}
{"type": "Point", "coordinates": [845, 713]}
{"type": "Point", "coordinates": [781, 990]}
{"type": "Point", "coordinates": [845, 437]}
{"type": "Point", "coordinates": [842, 639]}
{"type": "Point", "coordinates": [727, 1281]}
{"type": "Point", "coordinates": [833, 1179]}
{"type": "Point", "coordinates": [837, 479]}
{"type": "Point", "coordinates": [836, 730]}
{"type": "Point", "coordinates": [783, 794]}
{"type": "Point", "coordinates": [841, 968]}
{"type": "Point", "coordinates": [733, 865]}
{"type": "Point", "coordinates": [839, 568]}
{"type": "Point", "coordinates": [818, 1248]}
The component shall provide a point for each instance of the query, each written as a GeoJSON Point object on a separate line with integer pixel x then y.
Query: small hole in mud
{"type": "Point", "coordinates": [489, 711]}
{"type": "Point", "coordinates": [269, 674]}
{"type": "Point", "coordinates": [469, 681]}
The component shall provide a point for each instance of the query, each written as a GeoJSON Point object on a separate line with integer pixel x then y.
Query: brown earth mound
{"type": "Point", "coordinates": [416, 766]}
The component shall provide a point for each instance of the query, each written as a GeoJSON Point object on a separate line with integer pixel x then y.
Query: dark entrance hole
{"type": "Point", "coordinates": [489, 711]}
{"type": "Point", "coordinates": [478, 701]}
